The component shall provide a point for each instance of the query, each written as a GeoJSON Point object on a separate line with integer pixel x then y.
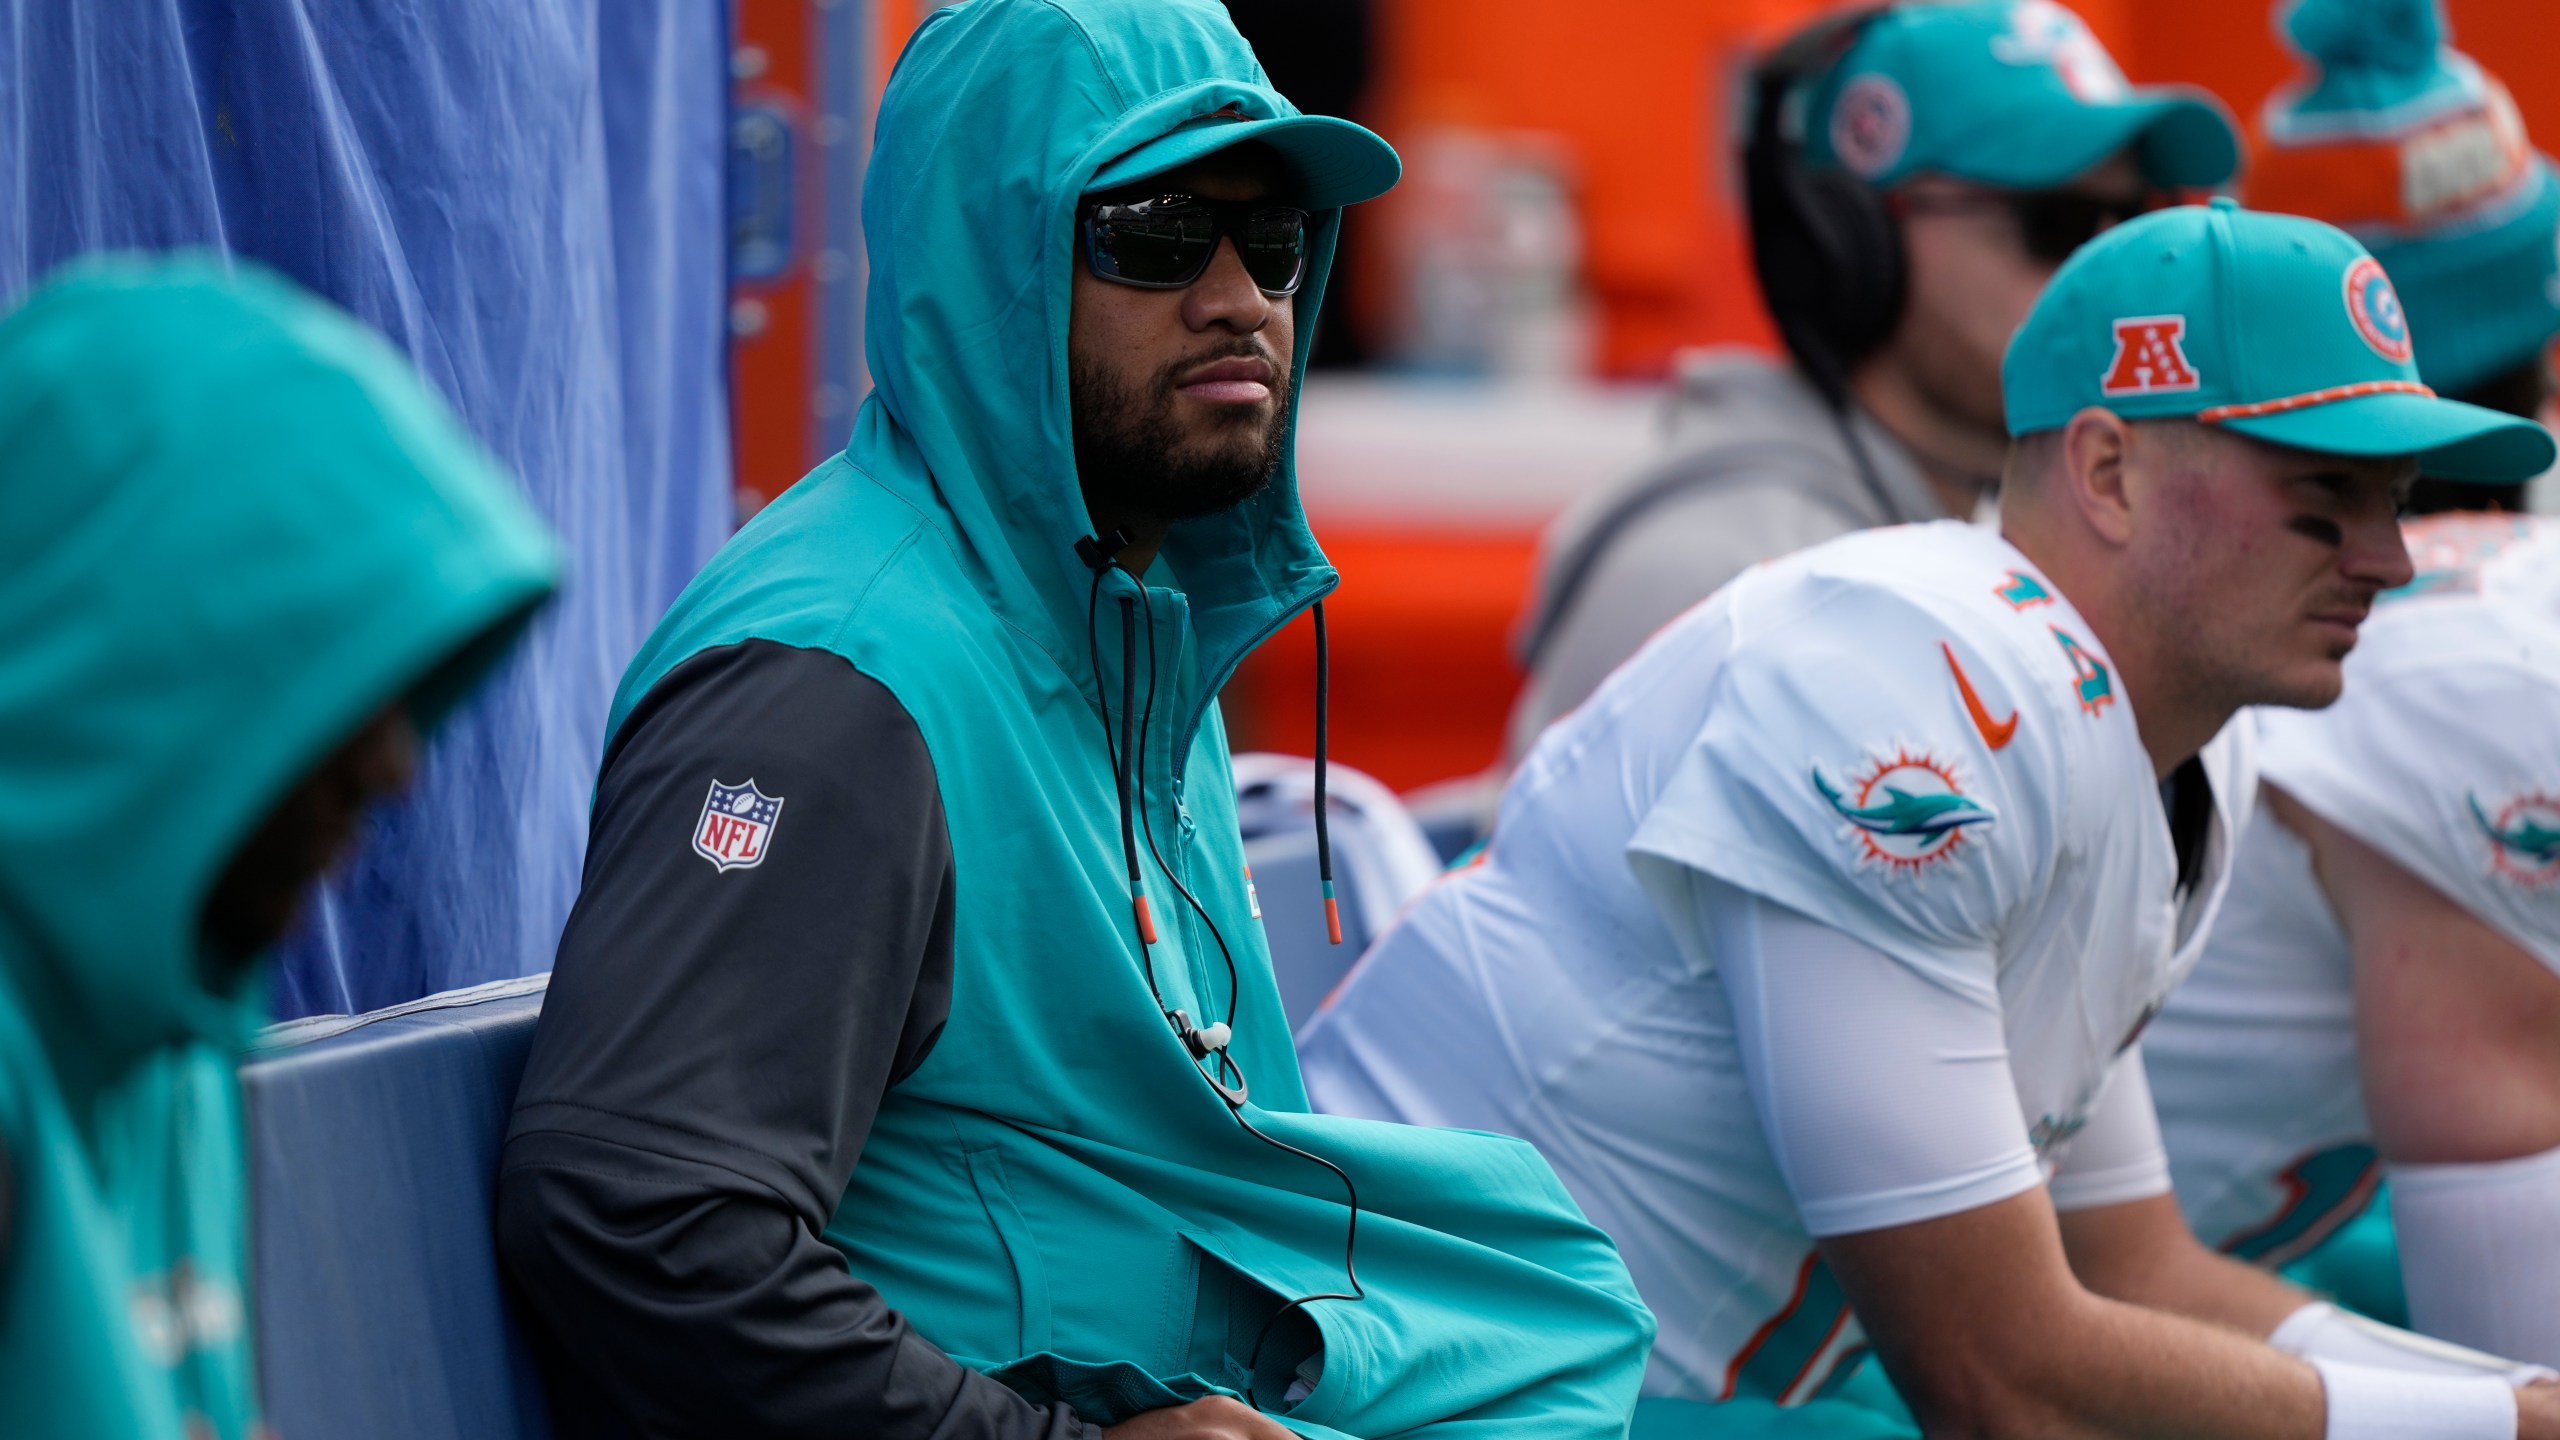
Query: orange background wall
{"type": "Point", "coordinates": [771, 372]}
{"type": "Point", "coordinates": [1636, 93]}
{"type": "Point", "coordinates": [1639, 91]}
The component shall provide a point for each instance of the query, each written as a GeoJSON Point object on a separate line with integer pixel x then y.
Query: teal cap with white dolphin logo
{"type": "Point", "coordinates": [2274, 326]}
{"type": "Point", "coordinates": [2012, 93]}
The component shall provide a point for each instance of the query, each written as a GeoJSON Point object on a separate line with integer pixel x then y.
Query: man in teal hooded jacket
{"type": "Point", "coordinates": [246, 560]}
{"type": "Point", "coordinates": [912, 1065]}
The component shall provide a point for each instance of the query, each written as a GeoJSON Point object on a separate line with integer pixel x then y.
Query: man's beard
{"type": "Point", "coordinates": [1135, 461]}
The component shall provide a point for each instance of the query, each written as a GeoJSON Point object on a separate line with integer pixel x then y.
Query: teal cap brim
{"type": "Point", "coordinates": [2181, 139]}
{"type": "Point", "coordinates": [2450, 440]}
{"type": "Point", "coordinates": [1337, 162]}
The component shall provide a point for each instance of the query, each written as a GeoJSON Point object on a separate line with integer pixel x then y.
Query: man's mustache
{"type": "Point", "coordinates": [1243, 347]}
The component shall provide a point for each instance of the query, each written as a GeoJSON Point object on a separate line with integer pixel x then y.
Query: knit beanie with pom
{"type": "Point", "coordinates": [2411, 147]}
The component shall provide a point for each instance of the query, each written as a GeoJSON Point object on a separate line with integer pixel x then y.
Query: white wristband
{"type": "Point", "coordinates": [2322, 1331]}
{"type": "Point", "coordinates": [2370, 1404]}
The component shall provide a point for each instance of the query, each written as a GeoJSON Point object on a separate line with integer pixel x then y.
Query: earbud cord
{"type": "Point", "coordinates": [1128, 773]}
{"type": "Point", "coordinates": [1351, 1226]}
{"type": "Point", "coordinates": [1115, 748]}
{"type": "Point", "coordinates": [1146, 823]}
{"type": "Point", "coordinates": [1324, 835]}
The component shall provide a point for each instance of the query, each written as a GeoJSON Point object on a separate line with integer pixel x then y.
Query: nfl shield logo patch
{"type": "Point", "coordinates": [736, 828]}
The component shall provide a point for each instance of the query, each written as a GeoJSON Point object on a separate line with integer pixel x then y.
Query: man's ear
{"type": "Point", "coordinates": [2096, 449]}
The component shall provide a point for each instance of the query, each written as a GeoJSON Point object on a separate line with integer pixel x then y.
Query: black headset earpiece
{"type": "Point", "coordinates": [1824, 243]}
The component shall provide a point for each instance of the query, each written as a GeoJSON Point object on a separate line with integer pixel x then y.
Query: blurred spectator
{"type": "Point", "coordinates": [1913, 177]}
{"type": "Point", "coordinates": [248, 562]}
{"type": "Point", "coordinates": [2415, 150]}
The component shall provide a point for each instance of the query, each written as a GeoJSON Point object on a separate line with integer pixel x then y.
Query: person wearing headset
{"type": "Point", "coordinates": [1816, 948]}
{"type": "Point", "coordinates": [2382, 992]}
{"type": "Point", "coordinates": [912, 1065]}
{"type": "Point", "coordinates": [1912, 176]}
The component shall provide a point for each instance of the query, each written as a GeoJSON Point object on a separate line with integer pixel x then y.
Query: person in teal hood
{"type": "Point", "coordinates": [912, 1063]}
{"type": "Point", "coordinates": [246, 562]}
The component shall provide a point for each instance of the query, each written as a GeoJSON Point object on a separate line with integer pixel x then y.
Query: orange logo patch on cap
{"type": "Point", "coordinates": [1870, 125]}
{"type": "Point", "coordinates": [2149, 359]}
{"type": "Point", "coordinates": [2374, 308]}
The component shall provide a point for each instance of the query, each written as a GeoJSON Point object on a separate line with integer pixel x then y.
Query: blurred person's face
{"type": "Point", "coordinates": [307, 834]}
{"type": "Point", "coordinates": [1976, 265]}
{"type": "Point", "coordinates": [1181, 397]}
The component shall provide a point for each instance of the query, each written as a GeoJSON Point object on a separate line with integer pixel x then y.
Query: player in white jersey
{"type": "Point", "coordinates": [1814, 949]}
{"type": "Point", "coordinates": [2453, 696]}
{"type": "Point", "coordinates": [1909, 735]}
{"type": "Point", "coordinates": [2394, 932]}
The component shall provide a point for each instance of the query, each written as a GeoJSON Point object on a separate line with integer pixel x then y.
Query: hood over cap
{"type": "Point", "coordinates": [233, 526]}
{"type": "Point", "coordinates": [1000, 116]}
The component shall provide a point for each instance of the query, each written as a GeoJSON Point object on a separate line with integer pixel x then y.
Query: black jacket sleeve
{"type": "Point", "coordinates": [728, 1006]}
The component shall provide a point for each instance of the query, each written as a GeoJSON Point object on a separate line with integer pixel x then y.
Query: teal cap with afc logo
{"type": "Point", "coordinates": [2275, 326]}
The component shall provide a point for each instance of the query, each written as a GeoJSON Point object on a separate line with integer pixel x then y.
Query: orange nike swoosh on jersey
{"type": "Point", "coordinates": [1995, 733]}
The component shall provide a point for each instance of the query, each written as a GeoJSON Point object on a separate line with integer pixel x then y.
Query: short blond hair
{"type": "Point", "coordinates": [2032, 457]}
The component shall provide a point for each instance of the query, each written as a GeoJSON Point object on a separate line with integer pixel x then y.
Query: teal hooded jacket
{"type": "Point", "coordinates": [1056, 1195]}
{"type": "Point", "coordinates": [233, 526]}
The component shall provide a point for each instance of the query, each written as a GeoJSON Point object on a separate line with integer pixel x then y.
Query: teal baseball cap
{"type": "Point", "coordinates": [2275, 326]}
{"type": "Point", "coordinates": [1337, 162]}
{"type": "Point", "coordinates": [2013, 93]}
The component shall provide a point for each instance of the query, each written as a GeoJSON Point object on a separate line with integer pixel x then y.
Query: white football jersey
{"type": "Point", "coordinates": [2444, 755]}
{"type": "Point", "coordinates": [1907, 734]}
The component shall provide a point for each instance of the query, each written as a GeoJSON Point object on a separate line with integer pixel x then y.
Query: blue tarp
{"type": "Point", "coordinates": [526, 195]}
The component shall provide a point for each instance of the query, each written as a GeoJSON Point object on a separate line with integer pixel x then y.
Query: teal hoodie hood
{"type": "Point", "coordinates": [1056, 1195]}
{"type": "Point", "coordinates": [233, 526]}
{"type": "Point", "coordinates": [1005, 113]}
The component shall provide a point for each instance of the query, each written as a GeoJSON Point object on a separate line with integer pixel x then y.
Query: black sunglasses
{"type": "Point", "coordinates": [1166, 242]}
{"type": "Point", "coordinates": [2052, 224]}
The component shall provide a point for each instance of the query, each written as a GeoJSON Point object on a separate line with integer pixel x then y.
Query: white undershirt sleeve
{"type": "Point", "coordinates": [2118, 1156]}
{"type": "Point", "coordinates": [1885, 1095]}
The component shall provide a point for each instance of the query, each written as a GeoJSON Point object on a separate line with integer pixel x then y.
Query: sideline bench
{"type": "Point", "coordinates": [373, 1152]}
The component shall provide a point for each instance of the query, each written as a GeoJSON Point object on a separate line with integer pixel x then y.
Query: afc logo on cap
{"type": "Point", "coordinates": [736, 828]}
{"type": "Point", "coordinates": [2374, 307]}
{"type": "Point", "coordinates": [2151, 358]}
